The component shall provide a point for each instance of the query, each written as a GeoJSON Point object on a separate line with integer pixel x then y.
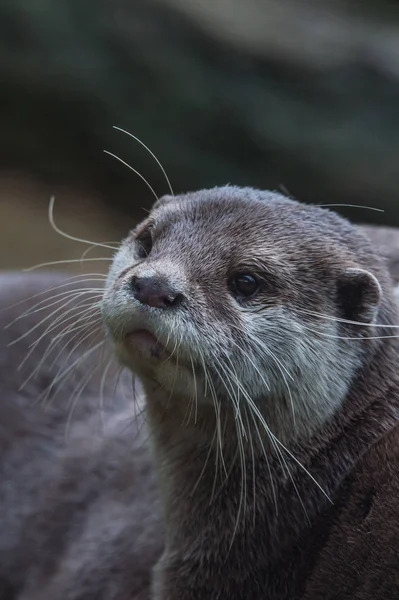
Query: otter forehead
{"type": "Point", "coordinates": [233, 225]}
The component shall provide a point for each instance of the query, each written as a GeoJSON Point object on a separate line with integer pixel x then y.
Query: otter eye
{"type": "Point", "coordinates": [244, 285]}
{"type": "Point", "coordinates": [144, 242]}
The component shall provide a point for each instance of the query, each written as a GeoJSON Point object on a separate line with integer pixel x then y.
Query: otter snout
{"type": "Point", "coordinates": [155, 291]}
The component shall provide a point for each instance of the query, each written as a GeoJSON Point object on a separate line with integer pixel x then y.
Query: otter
{"type": "Point", "coordinates": [263, 333]}
{"type": "Point", "coordinates": [79, 508]}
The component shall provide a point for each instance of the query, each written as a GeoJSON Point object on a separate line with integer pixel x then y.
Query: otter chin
{"type": "Point", "coordinates": [263, 333]}
{"type": "Point", "coordinates": [143, 343]}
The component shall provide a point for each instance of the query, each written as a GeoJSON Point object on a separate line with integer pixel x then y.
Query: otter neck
{"type": "Point", "coordinates": [245, 490]}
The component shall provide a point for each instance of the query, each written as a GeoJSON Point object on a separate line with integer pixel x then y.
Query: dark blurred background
{"type": "Point", "coordinates": [296, 95]}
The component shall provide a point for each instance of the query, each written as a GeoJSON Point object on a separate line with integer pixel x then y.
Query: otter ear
{"type": "Point", "coordinates": [162, 201]}
{"type": "Point", "coordinates": [359, 295]}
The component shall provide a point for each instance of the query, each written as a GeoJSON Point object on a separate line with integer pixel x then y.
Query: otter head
{"type": "Point", "coordinates": [248, 302]}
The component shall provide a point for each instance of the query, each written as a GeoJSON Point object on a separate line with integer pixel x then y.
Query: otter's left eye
{"type": "Point", "coordinates": [244, 285]}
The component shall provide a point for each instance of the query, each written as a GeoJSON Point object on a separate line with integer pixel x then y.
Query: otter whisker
{"type": "Point", "coordinates": [72, 351]}
{"type": "Point", "coordinates": [87, 328]}
{"type": "Point", "coordinates": [253, 365]}
{"type": "Point", "coordinates": [347, 321]}
{"type": "Point", "coordinates": [193, 398]}
{"type": "Point", "coordinates": [352, 206]}
{"type": "Point", "coordinates": [69, 369]}
{"type": "Point", "coordinates": [76, 394]}
{"type": "Point", "coordinates": [53, 344]}
{"type": "Point", "coordinates": [196, 391]}
{"type": "Point", "coordinates": [137, 414]}
{"type": "Point", "coordinates": [219, 446]}
{"type": "Point", "coordinates": [87, 325]}
{"type": "Point", "coordinates": [58, 322]}
{"type": "Point", "coordinates": [205, 464]}
{"type": "Point", "coordinates": [69, 281]}
{"type": "Point", "coordinates": [90, 248]}
{"type": "Point", "coordinates": [267, 461]}
{"type": "Point", "coordinates": [75, 295]}
{"type": "Point", "coordinates": [66, 262]}
{"type": "Point", "coordinates": [344, 337]}
{"type": "Point", "coordinates": [148, 150]}
{"type": "Point", "coordinates": [243, 486]}
{"type": "Point", "coordinates": [26, 313]}
{"type": "Point", "coordinates": [175, 353]}
{"type": "Point", "coordinates": [238, 420]}
{"type": "Point", "coordinates": [266, 351]}
{"type": "Point", "coordinates": [83, 322]}
{"type": "Point", "coordinates": [264, 348]}
{"type": "Point", "coordinates": [302, 467]}
{"type": "Point", "coordinates": [233, 395]}
{"type": "Point", "coordinates": [275, 440]}
{"type": "Point", "coordinates": [218, 432]}
{"type": "Point", "coordinates": [67, 235]}
{"type": "Point", "coordinates": [134, 171]}
{"type": "Point", "coordinates": [243, 492]}
{"type": "Point", "coordinates": [253, 468]}
{"type": "Point", "coordinates": [102, 385]}
{"type": "Point", "coordinates": [263, 422]}
{"type": "Point", "coordinates": [61, 320]}
{"type": "Point", "coordinates": [281, 458]}
{"type": "Point", "coordinates": [37, 325]}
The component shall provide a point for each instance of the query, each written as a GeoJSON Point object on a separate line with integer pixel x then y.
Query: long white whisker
{"type": "Point", "coordinates": [273, 438]}
{"type": "Point", "coordinates": [90, 248]}
{"type": "Point", "coordinates": [67, 235]}
{"type": "Point", "coordinates": [266, 351]}
{"type": "Point", "coordinates": [347, 321]}
{"type": "Point", "coordinates": [344, 337]}
{"type": "Point", "coordinates": [52, 326]}
{"type": "Point", "coordinates": [46, 318]}
{"type": "Point", "coordinates": [148, 150]}
{"type": "Point", "coordinates": [57, 321]}
{"type": "Point", "coordinates": [69, 294]}
{"type": "Point", "coordinates": [68, 281]}
{"type": "Point", "coordinates": [78, 390]}
{"type": "Point", "coordinates": [72, 366]}
{"type": "Point", "coordinates": [76, 293]}
{"type": "Point", "coordinates": [64, 262]}
{"type": "Point", "coordinates": [352, 206]}
{"type": "Point", "coordinates": [267, 460]}
{"type": "Point", "coordinates": [233, 395]}
{"type": "Point", "coordinates": [102, 385]}
{"type": "Point", "coordinates": [134, 171]}
{"type": "Point", "coordinates": [51, 347]}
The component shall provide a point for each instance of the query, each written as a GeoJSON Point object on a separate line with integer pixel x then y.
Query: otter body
{"type": "Point", "coordinates": [263, 333]}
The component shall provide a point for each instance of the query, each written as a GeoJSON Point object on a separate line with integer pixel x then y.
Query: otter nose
{"type": "Point", "coordinates": [155, 292]}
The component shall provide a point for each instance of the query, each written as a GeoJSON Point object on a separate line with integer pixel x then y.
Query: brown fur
{"type": "Point", "coordinates": [80, 518]}
{"type": "Point", "coordinates": [297, 545]}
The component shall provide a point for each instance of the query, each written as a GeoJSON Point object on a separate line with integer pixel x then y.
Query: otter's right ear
{"type": "Point", "coordinates": [359, 295]}
{"type": "Point", "coordinates": [162, 201]}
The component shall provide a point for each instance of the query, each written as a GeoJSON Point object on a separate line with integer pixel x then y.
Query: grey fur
{"type": "Point", "coordinates": [236, 527]}
{"type": "Point", "coordinates": [79, 514]}
{"type": "Point", "coordinates": [79, 511]}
